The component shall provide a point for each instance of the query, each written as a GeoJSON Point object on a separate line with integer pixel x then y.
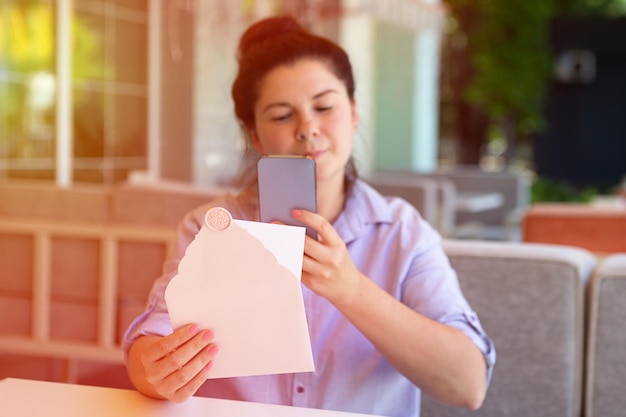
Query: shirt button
{"type": "Point", "coordinates": [300, 390]}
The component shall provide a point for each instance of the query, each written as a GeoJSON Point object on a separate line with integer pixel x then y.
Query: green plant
{"type": "Point", "coordinates": [548, 190]}
{"type": "Point", "coordinates": [507, 59]}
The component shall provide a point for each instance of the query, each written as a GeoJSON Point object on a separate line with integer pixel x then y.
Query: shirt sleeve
{"type": "Point", "coordinates": [432, 288]}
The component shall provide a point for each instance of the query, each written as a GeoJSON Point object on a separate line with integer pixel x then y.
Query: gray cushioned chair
{"type": "Point", "coordinates": [434, 198]}
{"type": "Point", "coordinates": [606, 348]}
{"type": "Point", "coordinates": [529, 298]}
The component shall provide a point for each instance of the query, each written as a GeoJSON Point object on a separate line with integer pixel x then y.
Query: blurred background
{"type": "Point", "coordinates": [100, 92]}
{"type": "Point", "coordinates": [116, 119]}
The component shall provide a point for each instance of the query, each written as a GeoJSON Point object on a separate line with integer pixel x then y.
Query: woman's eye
{"type": "Point", "coordinates": [323, 108]}
{"type": "Point", "coordinates": [280, 117]}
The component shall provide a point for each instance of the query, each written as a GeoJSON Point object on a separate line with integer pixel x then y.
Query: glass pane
{"type": "Point", "coordinates": [89, 124]}
{"type": "Point", "coordinates": [89, 58]}
{"type": "Point", "coordinates": [140, 5]}
{"type": "Point", "coordinates": [112, 40]}
{"type": "Point", "coordinates": [27, 97]}
{"type": "Point", "coordinates": [130, 126]}
{"type": "Point", "coordinates": [131, 55]}
{"type": "Point", "coordinates": [109, 136]}
{"type": "Point", "coordinates": [110, 97]}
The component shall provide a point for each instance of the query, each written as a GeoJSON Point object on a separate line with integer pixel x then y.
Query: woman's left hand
{"type": "Point", "coordinates": [327, 268]}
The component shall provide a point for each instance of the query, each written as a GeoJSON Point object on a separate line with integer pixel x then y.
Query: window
{"type": "Point", "coordinates": [108, 88]}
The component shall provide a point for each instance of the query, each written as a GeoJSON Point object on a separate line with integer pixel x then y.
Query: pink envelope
{"type": "Point", "coordinates": [241, 279]}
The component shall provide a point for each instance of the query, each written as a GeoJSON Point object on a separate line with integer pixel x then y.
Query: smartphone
{"type": "Point", "coordinates": [286, 183]}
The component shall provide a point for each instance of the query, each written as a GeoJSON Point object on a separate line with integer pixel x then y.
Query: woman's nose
{"type": "Point", "coordinates": [307, 130]}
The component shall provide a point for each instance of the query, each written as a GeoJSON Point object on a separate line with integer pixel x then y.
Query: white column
{"type": "Point", "coordinates": [356, 37]}
{"type": "Point", "coordinates": [154, 89]}
{"type": "Point", "coordinates": [426, 99]}
{"type": "Point", "coordinates": [64, 117]}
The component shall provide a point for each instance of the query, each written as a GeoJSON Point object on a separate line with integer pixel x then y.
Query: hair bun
{"type": "Point", "coordinates": [267, 29]}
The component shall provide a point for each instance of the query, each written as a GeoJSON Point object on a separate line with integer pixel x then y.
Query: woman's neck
{"type": "Point", "coordinates": [331, 198]}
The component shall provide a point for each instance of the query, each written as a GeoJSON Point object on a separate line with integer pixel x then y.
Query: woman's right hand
{"type": "Point", "coordinates": [172, 367]}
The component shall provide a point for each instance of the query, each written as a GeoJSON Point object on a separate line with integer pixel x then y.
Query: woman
{"type": "Point", "coordinates": [387, 318]}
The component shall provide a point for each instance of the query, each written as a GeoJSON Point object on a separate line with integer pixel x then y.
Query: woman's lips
{"type": "Point", "coordinates": [315, 154]}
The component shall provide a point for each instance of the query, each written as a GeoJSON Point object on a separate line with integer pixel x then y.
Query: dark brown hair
{"type": "Point", "coordinates": [277, 41]}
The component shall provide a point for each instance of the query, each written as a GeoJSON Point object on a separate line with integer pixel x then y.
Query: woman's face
{"type": "Point", "coordinates": [304, 109]}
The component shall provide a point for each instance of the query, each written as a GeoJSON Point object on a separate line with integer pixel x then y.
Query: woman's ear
{"type": "Point", "coordinates": [254, 139]}
{"type": "Point", "coordinates": [355, 117]}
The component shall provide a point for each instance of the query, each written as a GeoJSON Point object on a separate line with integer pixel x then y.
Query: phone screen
{"type": "Point", "coordinates": [286, 183]}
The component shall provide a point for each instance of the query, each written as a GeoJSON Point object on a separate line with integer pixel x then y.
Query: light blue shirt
{"type": "Point", "coordinates": [391, 244]}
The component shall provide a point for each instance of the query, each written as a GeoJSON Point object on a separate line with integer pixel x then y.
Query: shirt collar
{"type": "Point", "coordinates": [364, 207]}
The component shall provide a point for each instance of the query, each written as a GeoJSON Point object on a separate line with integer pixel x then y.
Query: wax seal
{"type": "Point", "coordinates": [217, 219]}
